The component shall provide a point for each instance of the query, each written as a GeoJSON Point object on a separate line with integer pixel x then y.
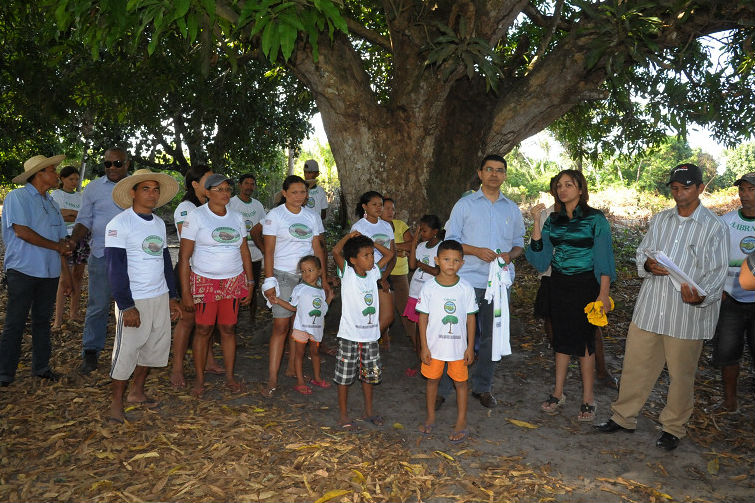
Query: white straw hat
{"type": "Point", "coordinates": [122, 189]}
{"type": "Point", "coordinates": [35, 164]}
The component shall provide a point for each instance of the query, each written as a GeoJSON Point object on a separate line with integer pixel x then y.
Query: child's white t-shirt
{"type": "Point", "coordinates": [67, 201]}
{"type": "Point", "coordinates": [380, 232]}
{"type": "Point", "coordinates": [447, 308]}
{"type": "Point", "coordinates": [183, 210]}
{"type": "Point", "coordinates": [360, 307]}
{"type": "Point", "coordinates": [253, 213]}
{"type": "Point", "coordinates": [293, 233]}
{"type": "Point", "coordinates": [144, 242]}
{"type": "Point", "coordinates": [311, 309]}
{"type": "Point", "coordinates": [317, 200]}
{"type": "Point", "coordinates": [426, 256]}
{"type": "Point", "coordinates": [217, 242]}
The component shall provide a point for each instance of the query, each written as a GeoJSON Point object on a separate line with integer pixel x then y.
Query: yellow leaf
{"type": "Point", "coordinates": [713, 466]}
{"type": "Point", "coordinates": [266, 495]}
{"type": "Point", "coordinates": [152, 454]}
{"type": "Point", "coordinates": [332, 494]}
{"type": "Point", "coordinates": [444, 455]}
{"type": "Point", "coordinates": [413, 469]}
{"type": "Point", "coordinates": [522, 424]}
{"type": "Point", "coordinates": [130, 408]}
{"type": "Point", "coordinates": [258, 410]}
{"type": "Point", "coordinates": [398, 426]}
{"type": "Point", "coordinates": [105, 455]}
{"type": "Point", "coordinates": [59, 425]}
{"type": "Point", "coordinates": [99, 484]}
{"type": "Point", "coordinates": [358, 477]}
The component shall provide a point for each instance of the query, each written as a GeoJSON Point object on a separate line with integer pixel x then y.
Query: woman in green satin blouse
{"type": "Point", "coordinates": [576, 242]}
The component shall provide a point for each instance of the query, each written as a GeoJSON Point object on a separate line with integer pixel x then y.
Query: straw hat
{"type": "Point", "coordinates": [35, 164]}
{"type": "Point", "coordinates": [122, 189]}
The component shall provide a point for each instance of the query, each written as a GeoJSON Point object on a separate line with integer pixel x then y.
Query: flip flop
{"type": "Point", "coordinates": [410, 372]}
{"type": "Point", "coordinates": [350, 427]}
{"type": "Point", "coordinates": [426, 429]}
{"type": "Point", "coordinates": [320, 384]}
{"type": "Point", "coordinates": [115, 420]}
{"type": "Point", "coordinates": [147, 403]}
{"type": "Point", "coordinates": [303, 389]}
{"type": "Point", "coordinates": [217, 372]}
{"type": "Point", "coordinates": [267, 392]}
{"type": "Point", "coordinates": [464, 435]}
{"type": "Point", "coordinates": [376, 420]}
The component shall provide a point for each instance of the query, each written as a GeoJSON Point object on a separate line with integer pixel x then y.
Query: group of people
{"type": "Point", "coordinates": [454, 309]}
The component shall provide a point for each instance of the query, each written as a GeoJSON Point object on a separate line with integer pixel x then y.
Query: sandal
{"type": "Point", "coordinates": [376, 420]}
{"type": "Point", "coordinates": [427, 429]}
{"type": "Point", "coordinates": [303, 389]}
{"type": "Point", "coordinates": [553, 404]}
{"type": "Point", "coordinates": [458, 436]}
{"type": "Point", "coordinates": [320, 384]}
{"type": "Point", "coordinates": [587, 413]}
{"type": "Point", "coordinates": [410, 372]}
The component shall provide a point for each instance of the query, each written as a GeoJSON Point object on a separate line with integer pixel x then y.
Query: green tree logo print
{"type": "Point", "coordinates": [316, 304]}
{"type": "Point", "coordinates": [449, 319]}
{"type": "Point", "coordinates": [370, 309]}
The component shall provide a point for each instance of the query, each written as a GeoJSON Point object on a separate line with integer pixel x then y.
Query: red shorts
{"type": "Point", "coordinates": [457, 370]}
{"type": "Point", "coordinates": [222, 312]}
{"type": "Point", "coordinates": [410, 311]}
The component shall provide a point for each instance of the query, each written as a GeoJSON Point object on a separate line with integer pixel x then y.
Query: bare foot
{"type": "Point", "coordinates": [212, 367]}
{"type": "Point", "coordinates": [268, 390]}
{"type": "Point", "coordinates": [177, 379]}
{"type": "Point", "coordinates": [235, 386]}
{"type": "Point", "coordinates": [143, 400]}
{"type": "Point", "coordinates": [116, 414]}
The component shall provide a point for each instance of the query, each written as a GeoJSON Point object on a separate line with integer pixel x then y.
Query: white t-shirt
{"type": "Point", "coordinates": [293, 233]}
{"type": "Point", "coordinates": [317, 200]}
{"type": "Point", "coordinates": [426, 256]}
{"type": "Point", "coordinates": [183, 210]}
{"type": "Point", "coordinates": [360, 309]}
{"type": "Point", "coordinates": [67, 201]}
{"type": "Point", "coordinates": [380, 232]}
{"type": "Point", "coordinates": [310, 309]}
{"type": "Point", "coordinates": [741, 244]}
{"type": "Point", "coordinates": [447, 308]}
{"type": "Point", "coordinates": [217, 242]}
{"type": "Point", "coordinates": [144, 242]}
{"type": "Point", "coordinates": [253, 213]}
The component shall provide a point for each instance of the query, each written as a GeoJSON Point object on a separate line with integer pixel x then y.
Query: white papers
{"type": "Point", "coordinates": [676, 275]}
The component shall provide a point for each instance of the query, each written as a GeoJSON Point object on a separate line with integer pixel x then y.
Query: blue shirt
{"type": "Point", "coordinates": [26, 206]}
{"type": "Point", "coordinates": [97, 209]}
{"type": "Point", "coordinates": [477, 222]}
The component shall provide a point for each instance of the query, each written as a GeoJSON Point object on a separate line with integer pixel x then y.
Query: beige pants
{"type": "Point", "coordinates": [644, 358]}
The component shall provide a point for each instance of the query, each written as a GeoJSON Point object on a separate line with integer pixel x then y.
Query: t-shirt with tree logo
{"type": "Point", "coordinates": [380, 232]}
{"type": "Point", "coordinates": [360, 309]}
{"type": "Point", "coordinates": [447, 308]}
{"type": "Point", "coordinates": [311, 309]}
{"type": "Point", "coordinates": [426, 256]}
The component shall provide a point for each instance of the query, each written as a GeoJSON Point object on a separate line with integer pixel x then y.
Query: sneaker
{"type": "Point", "coordinates": [89, 364]}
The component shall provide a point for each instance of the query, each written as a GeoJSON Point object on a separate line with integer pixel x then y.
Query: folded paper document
{"type": "Point", "coordinates": [677, 275]}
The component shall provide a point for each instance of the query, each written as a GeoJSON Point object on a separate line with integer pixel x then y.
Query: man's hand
{"type": "Point", "coordinates": [175, 310]}
{"type": "Point", "coordinates": [656, 269]}
{"type": "Point", "coordinates": [505, 256]}
{"type": "Point", "coordinates": [690, 295]}
{"type": "Point", "coordinates": [187, 303]}
{"type": "Point", "coordinates": [64, 247]}
{"type": "Point", "coordinates": [486, 254]}
{"type": "Point", "coordinates": [131, 318]}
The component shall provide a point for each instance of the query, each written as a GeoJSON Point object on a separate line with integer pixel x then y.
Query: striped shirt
{"type": "Point", "coordinates": [699, 245]}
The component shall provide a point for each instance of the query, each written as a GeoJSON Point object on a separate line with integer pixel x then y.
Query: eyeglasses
{"type": "Point", "coordinates": [117, 164]}
{"type": "Point", "coordinates": [227, 190]}
{"type": "Point", "coordinates": [498, 171]}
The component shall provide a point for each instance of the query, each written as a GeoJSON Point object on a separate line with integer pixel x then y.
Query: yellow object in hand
{"type": "Point", "coordinates": [595, 314]}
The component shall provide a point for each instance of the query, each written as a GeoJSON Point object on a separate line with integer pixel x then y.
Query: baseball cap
{"type": "Point", "coordinates": [686, 174]}
{"type": "Point", "coordinates": [215, 179]}
{"type": "Point", "coordinates": [311, 165]}
{"type": "Point", "coordinates": [749, 177]}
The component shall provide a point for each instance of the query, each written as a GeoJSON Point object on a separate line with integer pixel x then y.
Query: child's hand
{"type": "Point", "coordinates": [329, 297]}
{"type": "Point", "coordinates": [354, 234]}
{"type": "Point", "coordinates": [469, 356]}
{"type": "Point", "coordinates": [425, 356]}
{"type": "Point", "coordinates": [416, 234]}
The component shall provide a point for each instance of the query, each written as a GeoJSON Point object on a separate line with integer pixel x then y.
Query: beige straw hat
{"type": "Point", "coordinates": [122, 189]}
{"type": "Point", "coordinates": [35, 164]}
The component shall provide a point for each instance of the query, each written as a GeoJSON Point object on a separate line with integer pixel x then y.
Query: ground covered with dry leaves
{"type": "Point", "coordinates": [56, 445]}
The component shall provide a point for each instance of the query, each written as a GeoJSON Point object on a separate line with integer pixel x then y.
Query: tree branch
{"type": "Point", "coordinates": [548, 35]}
{"type": "Point", "coordinates": [152, 164]}
{"type": "Point", "coordinates": [545, 21]}
{"type": "Point", "coordinates": [368, 35]}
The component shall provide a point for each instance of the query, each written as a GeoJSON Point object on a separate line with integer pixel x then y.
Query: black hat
{"type": "Point", "coordinates": [686, 174]}
{"type": "Point", "coordinates": [749, 177]}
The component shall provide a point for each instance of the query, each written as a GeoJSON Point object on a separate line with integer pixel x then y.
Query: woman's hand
{"type": "Point", "coordinates": [536, 211]}
{"type": "Point", "coordinates": [606, 301]}
{"type": "Point", "coordinates": [187, 303]}
{"type": "Point", "coordinates": [270, 295]}
{"type": "Point", "coordinates": [248, 299]}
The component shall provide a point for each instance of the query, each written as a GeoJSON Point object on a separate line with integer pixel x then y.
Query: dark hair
{"type": "Point", "coordinates": [288, 182]}
{"type": "Point", "coordinates": [352, 246]}
{"type": "Point", "coordinates": [433, 221]}
{"type": "Point", "coordinates": [493, 157]}
{"type": "Point", "coordinates": [579, 179]}
{"type": "Point", "coordinates": [245, 176]}
{"type": "Point", "coordinates": [366, 198]}
{"type": "Point", "coordinates": [119, 149]}
{"type": "Point", "coordinates": [386, 199]}
{"type": "Point", "coordinates": [310, 258]}
{"type": "Point", "coordinates": [65, 172]}
{"type": "Point", "coordinates": [451, 245]}
{"type": "Point", "coordinates": [193, 174]}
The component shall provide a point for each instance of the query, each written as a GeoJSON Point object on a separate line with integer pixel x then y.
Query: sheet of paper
{"type": "Point", "coordinates": [676, 275]}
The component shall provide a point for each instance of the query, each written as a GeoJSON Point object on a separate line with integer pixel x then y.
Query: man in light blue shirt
{"type": "Point", "coordinates": [97, 209]}
{"type": "Point", "coordinates": [488, 225]}
{"type": "Point", "coordinates": [35, 246]}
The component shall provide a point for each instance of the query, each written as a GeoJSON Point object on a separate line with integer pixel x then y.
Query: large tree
{"type": "Point", "coordinates": [413, 93]}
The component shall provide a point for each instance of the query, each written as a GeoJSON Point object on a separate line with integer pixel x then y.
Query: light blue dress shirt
{"type": "Point", "coordinates": [477, 222]}
{"type": "Point", "coordinates": [97, 209]}
{"type": "Point", "coordinates": [26, 206]}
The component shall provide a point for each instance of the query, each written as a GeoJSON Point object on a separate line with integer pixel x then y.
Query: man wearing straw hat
{"type": "Point", "coordinates": [35, 247]}
{"type": "Point", "coordinates": [142, 283]}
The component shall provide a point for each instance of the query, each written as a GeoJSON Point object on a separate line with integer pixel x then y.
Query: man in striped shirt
{"type": "Point", "coordinates": [671, 321]}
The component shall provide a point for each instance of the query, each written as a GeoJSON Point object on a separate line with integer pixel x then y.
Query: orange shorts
{"type": "Point", "coordinates": [457, 370]}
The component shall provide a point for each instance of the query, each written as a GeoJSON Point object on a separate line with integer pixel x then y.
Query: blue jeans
{"type": "Point", "coordinates": [98, 305]}
{"type": "Point", "coordinates": [481, 376]}
{"type": "Point", "coordinates": [27, 293]}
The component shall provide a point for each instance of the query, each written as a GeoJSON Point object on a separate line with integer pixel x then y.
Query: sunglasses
{"type": "Point", "coordinates": [117, 164]}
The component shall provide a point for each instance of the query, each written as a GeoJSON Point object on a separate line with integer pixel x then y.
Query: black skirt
{"type": "Point", "coordinates": [572, 333]}
{"type": "Point", "coordinates": [543, 298]}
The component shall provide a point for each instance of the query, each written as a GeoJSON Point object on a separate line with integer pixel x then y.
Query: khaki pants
{"type": "Point", "coordinates": [644, 358]}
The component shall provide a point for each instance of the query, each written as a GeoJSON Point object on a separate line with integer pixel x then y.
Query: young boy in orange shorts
{"type": "Point", "coordinates": [447, 310]}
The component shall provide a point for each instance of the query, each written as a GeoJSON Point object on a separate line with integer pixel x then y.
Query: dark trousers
{"type": "Point", "coordinates": [27, 293]}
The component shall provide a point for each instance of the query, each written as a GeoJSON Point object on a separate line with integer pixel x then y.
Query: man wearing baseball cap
{"type": "Point", "coordinates": [736, 321]}
{"type": "Point", "coordinates": [35, 248]}
{"type": "Point", "coordinates": [141, 279]}
{"type": "Point", "coordinates": [671, 321]}
{"type": "Point", "coordinates": [317, 201]}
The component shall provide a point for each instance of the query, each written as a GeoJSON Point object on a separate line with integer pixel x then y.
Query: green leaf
{"type": "Point", "coordinates": [193, 25]}
{"type": "Point", "coordinates": [267, 39]}
{"type": "Point", "coordinates": [181, 23]}
{"type": "Point", "coordinates": [181, 8]}
{"type": "Point", "coordinates": [287, 35]}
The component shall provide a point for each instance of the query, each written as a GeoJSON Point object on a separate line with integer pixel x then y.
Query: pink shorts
{"type": "Point", "coordinates": [410, 311]}
{"type": "Point", "coordinates": [222, 312]}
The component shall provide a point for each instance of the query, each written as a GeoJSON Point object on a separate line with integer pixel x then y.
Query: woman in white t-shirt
{"type": "Point", "coordinates": [69, 201]}
{"type": "Point", "coordinates": [290, 232]}
{"type": "Point", "coordinates": [369, 209]}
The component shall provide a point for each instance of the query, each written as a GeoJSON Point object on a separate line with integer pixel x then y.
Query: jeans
{"type": "Point", "coordinates": [481, 376]}
{"type": "Point", "coordinates": [736, 324]}
{"type": "Point", "coordinates": [27, 293]}
{"type": "Point", "coordinates": [98, 305]}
